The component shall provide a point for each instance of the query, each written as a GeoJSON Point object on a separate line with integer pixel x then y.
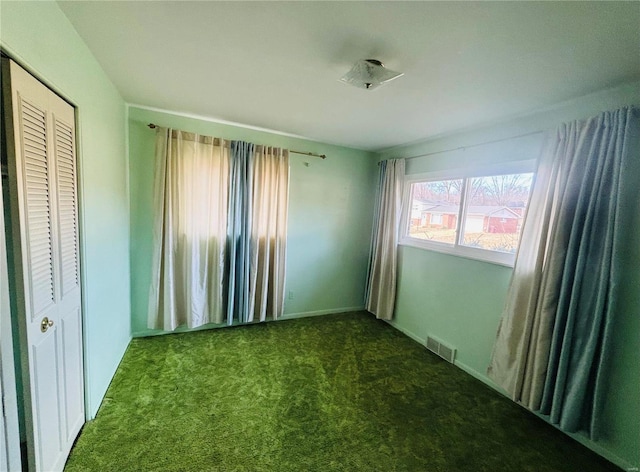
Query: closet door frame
{"type": "Point", "coordinates": [7, 56]}
{"type": "Point", "coordinates": [11, 458]}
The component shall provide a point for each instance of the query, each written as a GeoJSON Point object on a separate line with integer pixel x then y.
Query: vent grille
{"type": "Point", "coordinates": [446, 352]}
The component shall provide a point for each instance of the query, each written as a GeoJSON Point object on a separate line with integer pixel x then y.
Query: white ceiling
{"type": "Point", "coordinates": [276, 64]}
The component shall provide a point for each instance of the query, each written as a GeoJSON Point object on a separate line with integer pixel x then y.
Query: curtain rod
{"type": "Point", "coordinates": [531, 133]}
{"type": "Point", "coordinates": [305, 153]}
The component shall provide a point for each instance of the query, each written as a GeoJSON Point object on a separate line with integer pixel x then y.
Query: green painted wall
{"type": "Point", "coordinates": [455, 299]}
{"type": "Point", "coordinates": [39, 36]}
{"type": "Point", "coordinates": [330, 216]}
{"type": "Point", "coordinates": [460, 300]}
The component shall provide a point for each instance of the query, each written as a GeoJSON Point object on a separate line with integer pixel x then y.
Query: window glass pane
{"type": "Point", "coordinates": [434, 210]}
{"type": "Point", "coordinates": [496, 207]}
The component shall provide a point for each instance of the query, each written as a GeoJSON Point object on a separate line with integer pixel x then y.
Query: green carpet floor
{"type": "Point", "coordinates": [333, 393]}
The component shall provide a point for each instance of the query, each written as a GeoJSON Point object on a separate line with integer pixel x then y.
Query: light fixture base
{"type": "Point", "coordinates": [369, 74]}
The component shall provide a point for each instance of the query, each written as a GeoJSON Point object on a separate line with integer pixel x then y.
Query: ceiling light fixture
{"type": "Point", "coordinates": [369, 74]}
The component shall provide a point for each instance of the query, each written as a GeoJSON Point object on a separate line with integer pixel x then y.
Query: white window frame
{"type": "Point", "coordinates": [457, 249]}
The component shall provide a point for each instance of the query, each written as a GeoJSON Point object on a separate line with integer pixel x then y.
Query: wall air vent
{"type": "Point", "coordinates": [446, 352]}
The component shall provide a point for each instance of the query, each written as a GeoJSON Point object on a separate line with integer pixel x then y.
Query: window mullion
{"type": "Point", "coordinates": [462, 211]}
{"type": "Point", "coordinates": [407, 199]}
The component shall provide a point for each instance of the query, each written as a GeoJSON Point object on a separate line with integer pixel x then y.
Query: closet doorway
{"type": "Point", "coordinates": [44, 263]}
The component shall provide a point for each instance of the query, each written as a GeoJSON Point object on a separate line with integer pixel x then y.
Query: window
{"type": "Point", "coordinates": [472, 216]}
{"type": "Point", "coordinates": [434, 210]}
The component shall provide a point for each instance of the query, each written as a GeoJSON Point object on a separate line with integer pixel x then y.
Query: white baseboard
{"type": "Point", "coordinates": [481, 377]}
{"type": "Point", "coordinates": [595, 447]}
{"type": "Point", "coordinates": [411, 334]}
{"type": "Point", "coordinates": [96, 401]}
{"type": "Point", "coordinates": [331, 311]}
{"type": "Point", "coordinates": [472, 372]}
{"type": "Point", "coordinates": [288, 316]}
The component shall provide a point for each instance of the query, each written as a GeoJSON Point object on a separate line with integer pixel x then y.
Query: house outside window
{"type": "Point", "coordinates": [436, 218]}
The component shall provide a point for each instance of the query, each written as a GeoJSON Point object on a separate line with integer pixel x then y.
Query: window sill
{"type": "Point", "coordinates": [493, 257]}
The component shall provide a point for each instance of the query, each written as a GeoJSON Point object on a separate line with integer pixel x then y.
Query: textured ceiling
{"type": "Point", "coordinates": [276, 64]}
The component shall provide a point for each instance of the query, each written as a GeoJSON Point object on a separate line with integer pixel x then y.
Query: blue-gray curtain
{"type": "Point", "coordinates": [220, 231]}
{"type": "Point", "coordinates": [596, 212]}
{"type": "Point", "coordinates": [376, 224]}
{"type": "Point", "coordinates": [239, 231]}
{"type": "Point", "coordinates": [555, 340]}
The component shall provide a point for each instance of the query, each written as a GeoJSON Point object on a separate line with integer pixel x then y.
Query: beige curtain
{"type": "Point", "coordinates": [267, 253]}
{"type": "Point", "coordinates": [381, 283]}
{"type": "Point", "coordinates": [520, 354]}
{"type": "Point", "coordinates": [190, 202]}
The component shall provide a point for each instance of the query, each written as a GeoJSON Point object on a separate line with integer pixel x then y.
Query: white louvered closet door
{"type": "Point", "coordinates": [46, 254]}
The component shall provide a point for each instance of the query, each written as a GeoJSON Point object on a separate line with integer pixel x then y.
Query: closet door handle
{"type": "Point", "coordinates": [45, 324]}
